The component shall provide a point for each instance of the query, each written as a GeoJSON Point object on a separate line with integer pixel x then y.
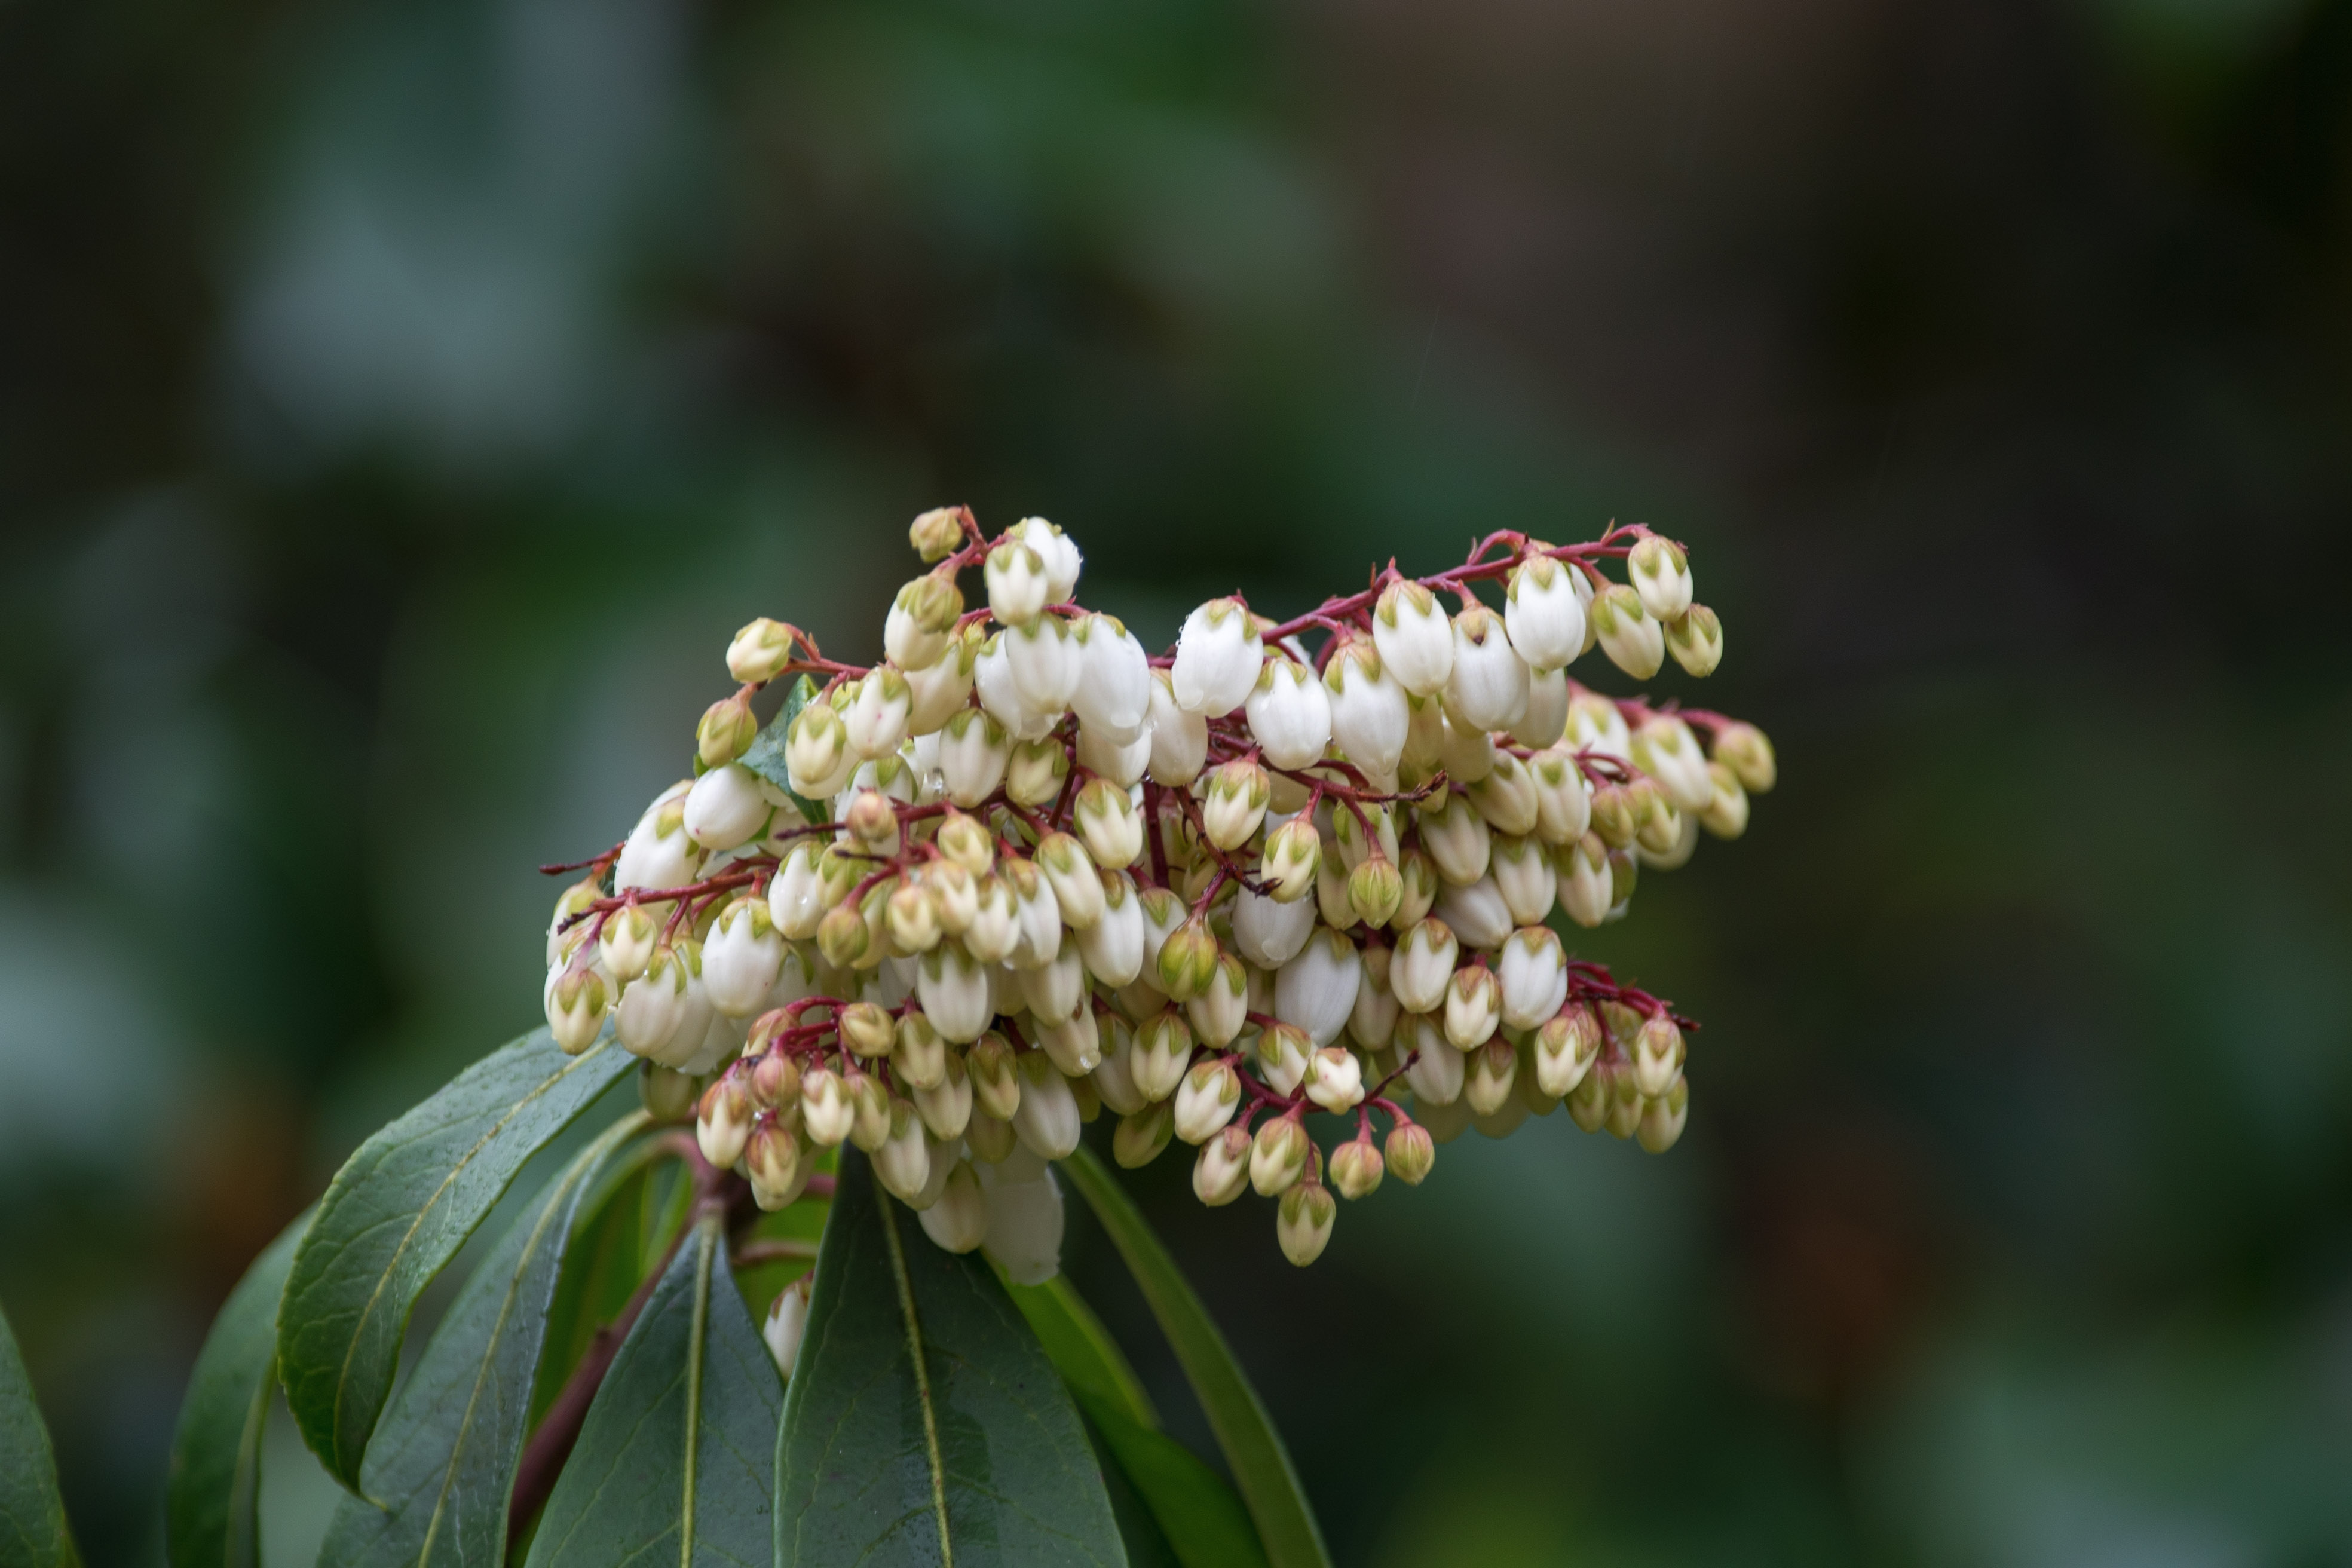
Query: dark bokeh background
{"type": "Point", "coordinates": [400, 403]}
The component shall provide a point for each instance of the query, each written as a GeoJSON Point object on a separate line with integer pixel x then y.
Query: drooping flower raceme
{"type": "Point", "coordinates": [1023, 874]}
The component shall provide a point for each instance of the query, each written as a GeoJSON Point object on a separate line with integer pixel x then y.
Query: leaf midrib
{"type": "Point", "coordinates": [884, 1203]}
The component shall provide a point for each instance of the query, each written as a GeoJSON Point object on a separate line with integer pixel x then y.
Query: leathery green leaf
{"type": "Point", "coordinates": [1197, 1516]}
{"type": "Point", "coordinates": [443, 1463]}
{"type": "Point", "coordinates": [766, 755]}
{"type": "Point", "coordinates": [1260, 1464]}
{"type": "Point", "coordinates": [673, 1462]}
{"type": "Point", "coordinates": [397, 1213]}
{"type": "Point", "coordinates": [33, 1533]}
{"type": "Point", "coordinates": [924, 1423]}
{"type": "Point", "coordinates": [212, 1496]}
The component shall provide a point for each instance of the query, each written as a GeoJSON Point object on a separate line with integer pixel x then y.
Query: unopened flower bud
{"type": "Point", "coordinates": [1662, 577]}
{"type": "Point", "coordinates": [1423, 964]}
{"type": "Point", "coordinates": [1316, 990]}
{"type": "Point", "coordinates": [842, 936]}
{"type": "Point", "coordinates": [1524, 875]}
{"type": "Point", "coordinates": [1492, 1072]}
{"type": "Point", "coordinates": [1589, 1101]}
{"type": "Point", "coordinates": [722, 1121]}
{"type": "Point", "coordinates": [787, 1323]}
{"type": "Point", "coordinates": [868, 1029]}
{"type": "Point", "coordinates": [576, 1002]}
{"type": "Point", "coordinates": [869, 1105]}
{"type": "Point", "coordinates": [1662, 1118]}
{"type": "Point", "coordinates": [1293, 852]}
{"type": "Point", "coordinates": [1544, 613]}
{"type": "Point", "coordinates": [1456, 838]}
{"type": "Point", "coordinates": [946, 1106]}
{"type": "Point", "coordinates": [1220, 1172]}
{"type": "Point", "coordinates": [1188, 959]}
{"type": "Point", "coordinates": [817, 757]}
{"type": "Point", "coordinates": [974, 751]}
{"type": "Point", "coordinates": [1563, 803]}
{"type": "Point", "coordinates": [667, 1094]}
{"type": "Point", "coordinates": [1696, 640]}
{"type": "Point", "coordinates": [902, 1160]}
{"type": "Point", "coordinates": [921, 622]}
{"type": "Point", "coordinates": [1218, 1011]}
{"type": "Point", "coordinates": [872, 822]}
{"type": "Point", "coordinates": [726, 807]}
{"type": "Point", "coordinates": [1465, 751]}
{"type": "Point", "coordinates": [1533, 971]}
{"type": "Point", "coordinates": [958, 1220]}
{"type": "Point", "coordinates": [1211, 1093]}
{"type": "Point", "coordinates": [1725, 815]}
{"type": "Point", "coordinates": [1436, 1069]}
{"type": "Point", "coordinates": [1565, 1050]}
{"type": "Point", "coordinates": [795, 894]}
{"type": "Point", "coordinates": [1053, 990]}
{"type": "Point", "coordinates": [1616, 814]}
{"type": "Point", "coordinates": [1074, 1044]}
{"type": "Point", "coordinates": [825, 1109]}
{"type": "Point", "coordinates": [1660, 822]}
{"type": "Point", "coordinates": [775, 1083]}
{"type": "Point", "coordinates": [1375, 891]}
{"type": "Point", "coordinates": [742, 958]}
{"type": "Point", "coordinates": [1585, 882]}
{"type": "Point", "coordinates": [1474, 1005]}
{"type": "Point", "coordinates": [1370, 715]}
{"type": "Point", "coordinates": [1743, 749]}
{"type": "Point", "coordinates": [1335, 1078]}
{"type": "Point", "coordinates": [1631, 638]}
{"type": "Point", "coordinates": [759, 651]}
{"type": "Point", "coordinates": [771, 1158]}
{"type": "Point", "coordinates": [995, 1080]}
{"type": "Point", "coordinates": [625, 945]}
{"type": "Point", "coordinates": [1070, 872]}
{"type": "Point", "coordinates": [1218, 655]}
{"type": "Point", "coordinates": [1278, 1157]}
{"type": "Point", "coordinates": [879, 709]}
{"type": "Point", "coordinates": [911, 918]}
{"type": "Point", "coordinates": [1303, 1224]}
{"type": "Point", "coordinates": [1414, 639]}
{"type": "Point", "coordinates": [1418, 874]}
{"type": "Point", "coordinates": [1357, 1168]}
{"type": "Point", "coordinates": [1179, 740]}
{"type": "Point", "coordinates": [1625, 1102]}
{"type": "Point", "coordinates": [1024, 1228]}
{"type": "Point", "coordinates": [1161, 1051]}
{"type": "Point", "coordinates": [1411, 1153]}
{"type": "Point", "coordinates": [1289, 714]}
{"type": "Point", "coordinates": [726, 730]}
{"type": "Point", "coordinates": [1545, 720]}
{"type": "Point", "coordinates": [1034, 776]}
{"type": "Point", "coordinates": [1657, 1053]}
{"type": "Point", "coordinates": [995, 928]}
{"type": "Point", "coordinates": [1109, 824]}
{"type": "Point", "coordinates": [1487, 688]}
{"type": "Point", "coordinates": [1235, 803]}
{"type": "Point", "coordinates": [1016, 583]}
{"type": "Point", "coordinates": [1142, 1135]}
{"type": "Point", "coordinates": [1047, 1119]}
{"type": "Point", "coordinates": [991, 1138]}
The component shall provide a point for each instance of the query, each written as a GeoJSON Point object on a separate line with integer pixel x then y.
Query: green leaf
{"type": "Point", "coordinates": [1197, 1515]}
{"type": "Point", "coordinates": [1081, 1349]}
{"type": "Point", "coordinates": [33, 1531]}
{"type": "Point", "coordinates": [443, 1463]}
{"type": "Point", "coordinates": [672, 1464]}
{"type": "Point", "coordinates": [1147, 1545]}
{"type": "Point", "coordinates": [601, 1268]}
{"type": "Point", "coordinates": [397, 1212]}
{"type": "Point", "coordinates": [211, 1501]}
{"type": "Point", "coordinates": [924, 1423]}
{"type": "Point", "coordinates": [766, 757]}
{"type": "Point", "coordinates": [1261, 1466]}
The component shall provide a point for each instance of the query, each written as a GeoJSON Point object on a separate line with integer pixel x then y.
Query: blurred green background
{"type": "Point", "coordinates": [400, 405]}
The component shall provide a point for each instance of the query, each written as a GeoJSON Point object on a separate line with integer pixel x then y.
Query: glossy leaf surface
{"type": "Point", "coordinates": [397, 1211]}
{"type": "Point", "coordinates": [1260, 1464]}
{"type": "Point", "coordinates": [674, 1462]}
{"type": "Point", "coordinates": [33, 1533]}
{"type": "Point", "coordinates": [211, 1501]}
{"type": "Point", "coordinates": [925, 1423]}
{"type": "Point", "coordinates": [443, 1463]}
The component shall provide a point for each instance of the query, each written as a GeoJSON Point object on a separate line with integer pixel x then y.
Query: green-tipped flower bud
{"type": "Point", "coordinates": [935, 535]}
{"type": "Point", "coordinates": [1293, 852]}
{"type": "Point", "coordinates": [1662, 577]}
{"type": "Point", "coordinates": [922, 622]}
{"type": "Point", "coordinates": [1220, 1174]}
{"type": "Point", "coordinates": [1303, 1224]}
{"type": "Point", "coordinates": [1474, 1005]}
{"type": "Point", "coordinates": [1222, 1007]}
{"type": "Point", "coordinates": [1106, 819]}
{"type": "Point", "coordinates": [1141, 1135]}
{"type": "Point", "coordinates": [1657, 1052]}
{"type": "Point", "coordinates": [1411, 1151]}
{"type": "Point", "coordinates": [667, 1094]}
{"type": "Point", "coordinates": [771, 1158]}
{"type": "Point", "coordinates": [1376, 891]}
{"type": "Point", "coordinates": [1493, 1073]}
{"type": "Point", "coordinates": [1278, 1157]}
{"type": "Point", "coordinates": [842, 936]}
{"type": "Point", "coordinates": [1206, 1101]}
{"type": "Point", "coordinates": [902, 1161]}
{"type": "Point", "coordinates": [946, 1106]}
{"type": "Point", "coordinates": [1696, 640]}
{"type": "Point", "coordinates": [1355, 1168]}
{"type": "Point", "coordinates": [1743, 749]}
{"type": "Point", "coordinates": [1161, 1051]}
{"type": "Point", "coordinates": [991, 1138]}
{"type": "Point", "coordinates": [918, 1056]}
{"type": "Point", "coordinates": [1725, 815]}
{"type": "Point", "coordinates": [1235, 803]}
{"type": "Point", "coordinates": [1589, 1101]}
{"type": "Point", "coordinates": [759, 651]}
{"type": "Point", "coordinates": [1627, 632]}
{"type": "Point", "coordinates": [577, 999]}
{"type": "Point", "coordinates": [726, 730]}
{"type": "Point", "coordinates": [1335, 1078]}
{"type": "Point", "coordinates": [626, 943]}
{"type": "Point", "coordinates": [869, 1105]}
{"type": "Point", "coordinates": [1033, 776]}
{"type": "Point", "coordinates": [1565, 1050]}
{"type": "Point", "coordinates": [775, 1082]}
{"type": "Point", "coordinates": [723, 1121]}
{"type": "Point", "coordinates": [995, 1082]}
{"type": "Point", "coordinates": [817, 758]}
{"type": "Point", "coordinates": [865, 1027]}
{"type": "Point", "coordinates": [1188, 959]}
{"type": "Point", "coordinates": [825, 1109]}
{"type": "Point", "coordinates": [1661, 1119]}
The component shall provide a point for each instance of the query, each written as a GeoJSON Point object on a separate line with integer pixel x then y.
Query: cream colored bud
{"type": "Point", "coordinates": [1524, 875]}
{"type": "Point", "coordinates": [867, 1030]}
{"type": "Point", "coordinates": [1663, 1116]}
{"type": "Point", "coordinates": [1478, 913]}
{"type": "Point", "coordinates": [825, 1107]}
{"type": "Point", "coordinates": [1218, 655]}
{"type": "Point", "coordinates": [946, 1106]}
{"type": "Point", "coordinates": [723, 1121]}
{"type": "Point", "coordinates": [1487, 688]}
{"type": "Point", "coordinates": [953, 989]}
{"type": "Point", "coordinates": [1565, 1050]}
{"type": "Point", "coordinates": [577, 998]}
{"type": "Point", "coordinates": [1355, 1168]}
{"type": "Point", "coordinates": [1456, 838]}
{"type": "Point", "coordinates": [1664, 748]}
{"type": "Point", "coordinates": [1057, 990]}
{"type": "Point", "coordinates": [1316, 990]}
{"type": "Point", "coordinates": [973, 753]}
{"type": "Point", "coordinates": [1142, 1135]}
{"type": "Point", "coordinates": [1434, 1069]}
{"type": "Point", "coordinates": [941, 690]}
{"type": "Point", "coordinates": [1657, 1055]}
{"type": "Point", "coordinates": [902, 1161]}
{"type": "Point", "coordinates": [1303, 1224]}
{"type": "Point", "coordinates": [1423, 966]}
{"type": "Point", "coordinates": [1180, 739]}
{"type": "Point", "coordinates": [918, 1052]}
{"type": "Point", "coordinates": [1696, 640]}
{"type": "Point", "coordinates": [1282, 1055]}
{"type": "Point", "coordinates": [1660, 822]}
{"type": "Point", "coordinates": [1588, 1103]}
{"type": "Point", "coordinates": [1370, 714]}
{"type": "Point", "coordinates": [727, 808]}
{"type": "Point", "coordinates": [1112, 947]}
{"type": "Point", "coordinates": [1507, 796]}
{"type": "Point", "coordinates": [1628, 633]}
{"type": "Point", "coordinates": [1375, 891]}
{"type": "Point", "coordinates": [1545, 720]}
{"type": "Point", "coordinates": [1493, 1073]}
{"type": "Point", "coordinates": [667, 1094]}
{"type": "Point", "coordinates": [1218, 1012]}
{"type": "Point", "coordinates": [1425, 739]}
{"type": "Point", "coordinates": [1544, 613]}
{"type": "Point", "coordinates": [1268, 934]}
{"type": "Point", "coordinates": [1743, 749]}
{"type": "Point", "coordinates": [1110, 825]}
{"type": "Point", "coordinates": [1113, 1076]}
{"type": "Point", "coordinates": [1188, 959]}
{"type": "Point", "coordinates": [1074, 1044]}
{"type": "Point", "coordinates": [1206, 1100]}
{"type": "Point", "coordinates": [1038, 913]}
{"type": "Point", "coordinates": [958, 1219]}
{"type": "Point", "coordinates": [1617, 814]}
{"type": "Point", "coordinates": [796, 893]}
{"type": "Point", "coordinates": [759, 651]}
{"type": "Point", "coordinates": [1372, 1022]}
{"type": "Point", "coordinates": [1290, 714]}
{"type": "Point", "coordinates": [935, 535]}
{"type": "Point", "coordinates": [818, 756]}
{"type": "Point", "coordinates": [1122, 762]}
{"type": "Point", "coordinates": [1279, 1155]}
{"type": "Point", "coordinates": [922, 621]}
{"type": "Point", "coordinates": [625, 943]}
{"type": "Point", "coordinates": [1016, 583]}
{"type": "Point", "coordinates": [787, 1323]}
{"type": "Point", "coordinates": [1035, 775]}
{"type": "Point", "coordinates": [1415, 641]}
{"type": "Point", "coordinates": [1335, 1078]}
{"type": "Point", "coordinates": [1235, 803]}
{"type": "Point", "coordinates": [869, 1105]}
{"type": "Point", "coordinates": [1047, 1119]}
{"type": "Point", "coordinates": [1474, 1005]}
{"type": "Point", "coordinates": [995, 1080]}
{"type": "Point", "coordinates": [771, 1158]}
{"type": "Point", "coordinates": [1725, 815]}
{"type": "Point", "coordinates": [726, 730]}
{"type": "Point", "coordinates": [1162, 1052]}
{"type": "Point", "coordinates": [911, 919]}
{"type": "Point", "coordinates": [1418, 874]}
{"type": "Point", "coordinates": [1293, 853]}
{"type": "Point", "coordinates": [1563, 803]}
{"type": "Point", "coordinates": [843, 937]}
{"type": "Point", "coordinates": [1220, 1172]}
{"type": "Point", "coordinates": [1070, 872]}
{"type": "Point", "coordinates": [1465, 751]}
{"type": "Point", "coordinates": [1662, 577]}
{"type": "Point", "coordinates": [879, 712]}
{"type": "Point", "coordinates": [965, 841]}
{"type": "Point", "coordinates": [1533, 974]}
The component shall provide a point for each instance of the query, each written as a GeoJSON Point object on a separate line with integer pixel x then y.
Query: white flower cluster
{"type": "Point", "coordinates": [1213, 892]}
